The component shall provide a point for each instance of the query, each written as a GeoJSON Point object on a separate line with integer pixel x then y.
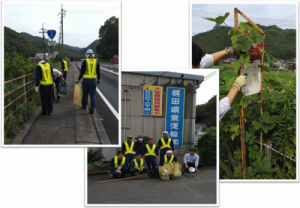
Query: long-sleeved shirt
{"type": "Point", "coordinates": [138, 162]}
{"type": "Point", "coordinates": [159, 144]}
{"type": "Point", "coordinates": [124, 147]}
{"type": "Point", "coordinates": [161, 163]}
{"type": "Point", "coordinates": [140, 147]}
{"type": "Point", "coordinates": [39, 73]}
{"type": "Point", "coordinates": [112, 163]}
{"type": "Point", "coordinates": [84, 68]}
{"type": "Point", "coordinates": [156, 149]}
{"type": "Point", "coordinates": [224, 107]}
{"type": "Point", "coordinates": [192, 159]}
{"type": "Point", "coordinates": [62, 65]}
{"type": "Point", "coordinates": [56, 73]}
{"type": "Point", "coordinates": [207, 61]}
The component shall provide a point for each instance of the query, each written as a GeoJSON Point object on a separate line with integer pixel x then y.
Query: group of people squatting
{"type": "Point", "coordinates": [140, 157]}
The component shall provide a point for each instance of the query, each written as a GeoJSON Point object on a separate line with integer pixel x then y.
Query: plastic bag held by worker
{"type": "Point", "coordinates": [77, 95]}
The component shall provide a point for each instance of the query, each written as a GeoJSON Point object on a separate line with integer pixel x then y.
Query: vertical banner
{"type": "Point", "coordinates": [152, 100]}
{"type": "Point", "coordinates": [175, 114]}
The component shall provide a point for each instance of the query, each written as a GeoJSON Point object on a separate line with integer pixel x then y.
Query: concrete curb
{"type": "Point", "coordinates": [102, 135]}
{"type": "Point", "coordinates": [18, 139]}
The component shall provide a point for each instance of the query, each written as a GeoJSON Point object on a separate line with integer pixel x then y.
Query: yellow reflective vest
{"type": "Point", "coordinates": [137, 165]}
{"type": "Point", "coordinates": [90, 72]}
{"type": "Point", "coordinates": [116, 162]}
{"type": "Point", "coordinates": [150, 151]}
{"type": "Point", "coordinates": [47, 76]}
{"type": "Point", "coordinates": [164, 145]}
{"type": "Point", "coordinates": [129, 150]}
{"type": "Point", "coordinates": [171, 159]}
{"type": "Point", "coordinates": [66, 66]}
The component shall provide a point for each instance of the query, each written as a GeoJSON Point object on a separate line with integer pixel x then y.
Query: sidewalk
{"type": "Point", "coordinates": [69, 124]}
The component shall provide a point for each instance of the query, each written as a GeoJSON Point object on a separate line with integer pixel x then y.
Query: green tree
{"type": "Point", "coordinates": [109, 39]}
{"type": "Point", "coordinates": [207, 146]}
{"type": "Point", "coordinates": [206, 113]}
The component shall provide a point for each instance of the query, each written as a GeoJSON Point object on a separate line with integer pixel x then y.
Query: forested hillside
{"type": "Point", "coordinates": [280, 46]}
{"type": "Point", "coordinates": [92, 46]}
{"type": "Point", "coordinates": [14, 42]}
{"type": "Point", "coordinates": [206, 113]}
{"type": "Point", "coordinates": [38, 43]}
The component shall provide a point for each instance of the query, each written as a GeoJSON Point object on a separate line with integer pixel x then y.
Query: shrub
{"type": "Point", "coordinates": [207, 146]}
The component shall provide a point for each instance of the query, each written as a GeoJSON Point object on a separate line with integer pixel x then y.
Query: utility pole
{"type": "Point", "coordinates": [62, 15]}
{"type": "Point", "coordinates": [43, 31]}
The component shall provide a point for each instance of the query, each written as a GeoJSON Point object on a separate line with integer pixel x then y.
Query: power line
{"type": "Point", "coordinates": [19, 24]}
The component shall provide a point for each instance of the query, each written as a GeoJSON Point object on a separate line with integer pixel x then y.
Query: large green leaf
{"type": "Point", "coordinates": [236, 66]}
{"type": "Point", "coordinates": [249, 173]}
{"type": "Point", "coordinates": [265, 128]}
{"type": "Point", "coordinates": [265, 96]}
{"type": "Point", "coordinates": [221, 19]}
{"type": "Point", "coordinates": [267, 58]}
{"type": "Point", "coordinates": [266, 68]}
{"type": "Point", "coordinates": [277, 97]}
{"type": "Point", "coordinates": [253, 30]}
{"type": "Point", "coordinates": [259, 154]}
{"type": "Point", "coordinates": [245, 44]}
{"type": "Point", "coordinates": [245, 59]}
{"type": "Point", "coordinates": [267, 118]}
{"type": "Point", "coordinates": [274, 82]}
{"type": "Point", "coordinates": [243, 26]}
{"type": "Point", "coordinates": [256, 124]}
{"type": "Point", "coordinates": [259, 39]}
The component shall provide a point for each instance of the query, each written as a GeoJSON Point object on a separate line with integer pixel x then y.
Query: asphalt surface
{"type": "Point", "coordinates": [110, 89]}
{"type": "Point", "coordinates": [199, 190]}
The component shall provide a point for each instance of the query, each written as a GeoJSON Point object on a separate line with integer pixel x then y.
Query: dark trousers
{"type": "Point", "coordinates": [151, 160]}
{"type": "Point", "coordinates": [129, 158]}
{"type": "Point", "coordinates": [193, 165]}
{"type": "Point", "coordinates": [124, 171]}
{"type": "Point", "coordinates": [46, 92]}
{"type": "Point", "coordinates": [56, 81]}
{"type": "Point", "coordinates": [162, 154]}
{"type": "Point", "coordinates": [65, 75]}
{"type": "Point", "coordinates": [89, 88]}
{"type": "Point", "coordinates": [132, 171]}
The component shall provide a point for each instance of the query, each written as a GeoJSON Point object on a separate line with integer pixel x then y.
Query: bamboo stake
{"type": "Point", "coordinates": [143, 176]}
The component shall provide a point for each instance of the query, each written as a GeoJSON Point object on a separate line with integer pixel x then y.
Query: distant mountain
{"type": "Point", "coordinates": [15, 42]}
{"type": "Point", "coordinates": [92, 46]}
{"type": "Point", "coordinates": [38, 43]}
{"type": "Point", "coordinates": [283, 47]}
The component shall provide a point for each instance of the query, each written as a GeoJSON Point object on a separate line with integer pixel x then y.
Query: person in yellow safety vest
{"type": "Point", "coordinates": [64, 67]}
{"type": "Point", "coordinates": [129, 148]}
{"type": "Point", "coordinates": [165, 144]}
{"type": "Point", "coordinates": [151, 154]}
{"type": "Point", "coordinates": [119, 165]}
{"type": "Point", "coordinates": [44, 78]}
{"type": "Point", "coordinates": [90, 72]}
{"type": "Point", "coordinates": [168, 158]}
{"type": "Point", "coordinates": [138, 165]}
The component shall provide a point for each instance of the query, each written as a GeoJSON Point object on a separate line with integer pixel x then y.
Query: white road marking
{"type": "Point", "coordinates": [116, 114]}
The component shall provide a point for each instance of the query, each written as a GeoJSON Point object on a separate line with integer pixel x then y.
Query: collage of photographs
{"type": "Point", "coordinates": [144, 135]}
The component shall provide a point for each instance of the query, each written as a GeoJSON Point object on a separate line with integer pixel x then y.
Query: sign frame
{"type": "Point", "coordinates": [166, 112]}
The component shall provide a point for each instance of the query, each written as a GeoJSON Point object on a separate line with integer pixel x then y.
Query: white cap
{"type": "Point", "coordinates": [89, 51]}
{"type": "Point", "coordinates": [165, 132]}
{"type": "Point", "coordinates": [169, 151]}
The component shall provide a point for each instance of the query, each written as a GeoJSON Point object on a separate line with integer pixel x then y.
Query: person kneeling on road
{"type": "Point", "coordinates": [90, 71]}
{"type": "Point", "coordinates": [192, 160]}
{"type": "Point", "coordinates": [169, 158]}
{"type": "Point", "coordinates": [138, 165]}
{"type": "Point", "coordinates": [119, 165]}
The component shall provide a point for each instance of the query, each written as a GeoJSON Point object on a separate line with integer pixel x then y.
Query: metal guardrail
{"type": "Point", "coordinates": [24, 95]}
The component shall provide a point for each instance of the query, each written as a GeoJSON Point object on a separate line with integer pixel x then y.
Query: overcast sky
{"type": "Point", "coordinates": [282, 15]}
{"type": "Point", "coordinates": [81, 23]}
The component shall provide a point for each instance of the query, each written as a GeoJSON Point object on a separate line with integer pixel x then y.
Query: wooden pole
{"type": "Point", "coordinates": [268, 152]}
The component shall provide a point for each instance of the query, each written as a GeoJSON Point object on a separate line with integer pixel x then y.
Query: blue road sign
{"type": "Point", "coordinates": [51, 34]}
{"type": "Point", "coordinates": [175, 114]}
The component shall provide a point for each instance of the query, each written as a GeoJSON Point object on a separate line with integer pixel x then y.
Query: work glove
{"type": "Point", "coordinates": [37, 89]}
{"type": "Point", "coordinates": [240, 81]}
{"type": "Point", "coordinates": [77, 82]}
{"type": "Point", "coordinates": [98, 82]}
{"type": "Point", "coordinates": [235, 50]}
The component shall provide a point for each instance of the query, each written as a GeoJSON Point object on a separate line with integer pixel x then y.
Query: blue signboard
{"type": "Point", "coordinates": [147, 102]}
{"type": "Point", "coordinates": [51, 34]}
{"type": "Point", "coordinates": [175, 114]}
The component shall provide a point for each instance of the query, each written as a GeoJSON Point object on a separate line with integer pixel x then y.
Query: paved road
{"type": "Point", "coordinates": [199, 190]}
{"type": "Point", "coordinates": [109, 88]}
